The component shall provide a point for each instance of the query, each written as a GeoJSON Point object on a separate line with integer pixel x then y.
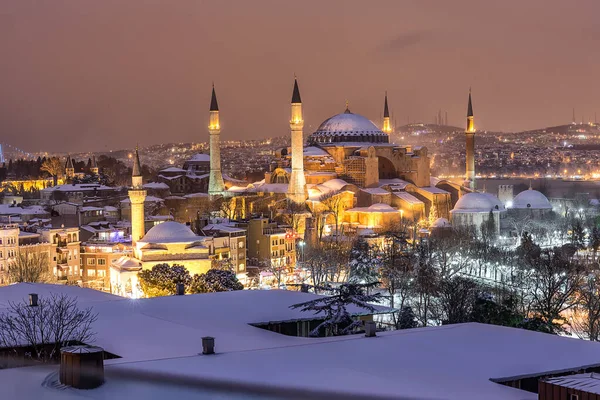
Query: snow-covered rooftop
{"type": "Point", "coordinates": [199, 157]}
{"type": "Point", "coordinates": [477, 202]}
{"type": "Point", "coordinates": [170, 232]}
{"type": "Point", "coordinates": [408, 197]}
{"type": "Point", "coordinates": [156, 185]}
{"type": "Point", "coordinates": [531, 199]}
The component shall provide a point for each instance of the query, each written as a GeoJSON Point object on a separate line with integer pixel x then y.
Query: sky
{"type": "Point", "coordinates": [94, 75]}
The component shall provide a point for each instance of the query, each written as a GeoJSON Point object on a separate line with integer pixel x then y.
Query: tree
{"type": "Point", "coordinates": [293, 214]}
{"type": "Point", "coordinates": [162, 279]}
{"type": "Point", "coordinates": [433, 214]}
{"type": "Point", "coordinates": [224, 264]}
{"type": "Point", "coordinates": [426, 284]}
{"type": "Point", "coordinates": [406, 318]}
{"type": "Point", "coordinates": [555, 282]}
{"type": "Point", "coordinates": [488, 229]}
{"type": "Point", "coordinates": [55, 322]}
{"type": "Point", "coordinates": [488, 310]}
{"type": "Point", "coordinates": [338, 321]}
{"type": "Point", "coordinates": [364, 262]}
{"type": "Point", "coordinates": [586, 319]}
{"type": "Point", "coordinates": [397, 272]}
{"type": "Point", "coordinates": [577, 234]}
{"type": "Point", "coordinates": [54, 167]}
{"type": "Point", "coordinates": [326, 262]}
{"type": "Point", "coordinates": [528, 250]}
{"type": "Point", "coordinates": [334, 204]}
{"type": "Point", "coordinates": [594, 242]}
{"type": "Point", "coordinates": [215, 280]}
{"type": "Point", "coordinates": [29, 265]}
{"type": "Point", "coordinates": [456, 299]}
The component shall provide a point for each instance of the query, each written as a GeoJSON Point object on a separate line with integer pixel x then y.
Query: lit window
{"type": "Point", "coordinates": [91, 261]}
{"type": "Point", "coordinates": [101, 261]}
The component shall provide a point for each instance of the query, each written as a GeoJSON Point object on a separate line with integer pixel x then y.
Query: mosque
{"type": "Point", "coordinates": [347, 174]}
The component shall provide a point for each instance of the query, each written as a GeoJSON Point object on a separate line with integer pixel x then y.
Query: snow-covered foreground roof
{"type": "Point", "coordinates": [163, 336]}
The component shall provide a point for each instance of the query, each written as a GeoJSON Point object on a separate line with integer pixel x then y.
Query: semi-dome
{"type": "Point", "coordinates": [348, 127]}
{"type": "Point", "coordinates": [168, 232]}
{"type": "Point", "coordinates": [478, 202]}
{"type": "Point", "coordinates": [531, 199]}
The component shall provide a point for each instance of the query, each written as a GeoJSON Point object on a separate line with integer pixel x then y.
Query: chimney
{"type": "Point", "coordinates": [82, 367]}
{"type": "Point", "coordinates": [370, 329]}
{"type": "Point", "coordinates": [304, 288]}
{"type": "Point", "coordinates": [180, 289]}
{"type": "Point", "coordinates": [208, 345]}
{"type": "Point", "coordinates": [33, 299]}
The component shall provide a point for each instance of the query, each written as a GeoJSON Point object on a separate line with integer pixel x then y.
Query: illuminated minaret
{"type": "Point", "coordinates": [387, 127]}
{"type": "Point", "coordinates": [137, 196]}
{"type": "Point", "coordinates": [94, 167]}
{"type": "Point", "coordinates": [69, 168]}
{"type": "Point", "coordinates": [297, 186]}
{"type": "Point", "coordinates": [215, 179]}
{"type": "Point", "coordinates": [470, 136]}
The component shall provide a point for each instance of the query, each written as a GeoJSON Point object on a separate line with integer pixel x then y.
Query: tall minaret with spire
{"type": "Point", "coordinates": [137, 196]}
{"type": "Point", "coordinates": [94, 170]}
{"type": "Point", "coordinates": [470, 136]}
{"type": "Point", "coordinates": [69, 168]}
{"type": "Point", "coordinates": [215, 179]}
{"type": "Point", "coordinates": [297, 186]}
{"type": "Point", "coordinates": [387, 126]}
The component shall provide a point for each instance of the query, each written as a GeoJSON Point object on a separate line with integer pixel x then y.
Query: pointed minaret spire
{"type": "Point", "coordinates": [296, 93]}
{"type": "Point", "coordinates": [216, 186]}
{"type": "Point", "coordinates": [214, 106]}
{"type": "Point", "coordinates": [137, 168]}
{"type": "Point", "coordinates": [387, 127]}
{"type": "Point", "coordinates": [69, 168]}
{"type": "Point", "coordinates": [297, 186]}
{"type": "Point", "coordinates": [470, 145]}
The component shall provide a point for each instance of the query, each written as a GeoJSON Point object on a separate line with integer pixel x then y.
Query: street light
{"type": "Point", "coordinates": [301, 244]}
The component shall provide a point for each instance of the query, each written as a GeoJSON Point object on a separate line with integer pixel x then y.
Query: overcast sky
{"type": "Point", "coordinates": [105, 74]}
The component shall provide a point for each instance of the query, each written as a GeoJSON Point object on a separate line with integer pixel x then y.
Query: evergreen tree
{"type": "Point", "coordinates": [406, 318]}
{"type": "Point", "coordinates": [162, 279]}
{"type": "Point", "coordinates": [365, 263]}
{"type": "Point", "coordinates": [433, 214]}
{"type": "Point", "coordinates": [577, 235]}
{"type": "Point", "coordinates": [338, 321]}
{"type": "Point", "coordinates": [215, 280]}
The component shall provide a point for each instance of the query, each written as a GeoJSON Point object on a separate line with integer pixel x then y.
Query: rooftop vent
{"type": "Point", "coordinates": [33, 299]}
{"type": "Point", "coordinates": [370, 329]}
{"type": "Point", "coordinates": [208, 345]}
{"type": "Point", "coordinates": [180, 289]}
{"type": "Point", "coordinates": [82, 367]}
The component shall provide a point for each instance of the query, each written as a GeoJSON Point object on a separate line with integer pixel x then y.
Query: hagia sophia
{"type": "Point", "coordinates": [347, 178]}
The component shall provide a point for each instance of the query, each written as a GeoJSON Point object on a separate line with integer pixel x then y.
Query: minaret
{"type": "Point", "coordinates": [215, 179]}
{"type": "Point", "coordinates": [137, 195]}
{"type": "Point", "coordinates": [387, 127]}
{"type": "Point", "coordinates": [94, 168]}
{"type": "Point", "coordinates": [297, 186]}
{"type": "Point", "coordinates": [470, 136]}
{"type": "Point", "coordinates": [69, 169]}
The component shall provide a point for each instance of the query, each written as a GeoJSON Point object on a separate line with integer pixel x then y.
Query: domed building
{"type": "Point", "coordinates": [473, 209]}
{"type": "Point", "coordinates": [174, 243]}
{"type": "Point", "coordinates": [530, 202]}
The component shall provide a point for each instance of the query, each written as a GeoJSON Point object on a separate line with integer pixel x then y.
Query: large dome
{"type": "Point", "coordinates": [531, 199]}
{"type": "Point", "coordinates": [478, 202]}
{"type": "Point", "coordinates": [169, 232]}
{"type": "Point", "coordinates": [348, 127]}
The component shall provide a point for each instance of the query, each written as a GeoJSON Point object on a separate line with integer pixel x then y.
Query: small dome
{"type": "Point", "coordinates": [441, 223]}
{"type": "Point", "coordinates": [531, 199]}
{"type": "Point", "coordinates": [348, 127]}
{"type": "Point", "coordinates": [169, 231]}
{"type": "Point", "coordinates": [478, 202]}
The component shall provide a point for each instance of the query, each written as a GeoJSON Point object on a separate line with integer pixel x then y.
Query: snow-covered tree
{"type": "Point", "coordinates": [338, 321]}
{"type": "Point", "coordinates": [162, 279]}
{"type": "Point", "coordinates": [215, 280]}
{"type": "Point", "coordinates": [365, 262]}
{"type": "Point", "coordinates": [406, 318]}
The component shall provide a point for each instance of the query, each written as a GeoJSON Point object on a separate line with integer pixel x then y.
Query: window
{"type": "Point", "coordinates": [91, 261]}
{"type": "Point", "coordinates": [101, 261]}
{"type": "Point", "coordinates": [281, 241]}
{"type": "Point", "coordinates": [91, 272]}
{"type": "Point", "coordinates": [11, 253]}
{"type": "Point", "coordinates": [241, 245]}
{"type": "Point", "coordinates": [241, 267]}
{"type": "Point", "coordinates": [573, 397]}
{"type": "Point", "coordinates": [101, 273]}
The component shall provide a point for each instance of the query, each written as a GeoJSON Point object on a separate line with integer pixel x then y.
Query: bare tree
{"type": "Point", "coordinates": [456, 299]}
{"type": "Point", "coordinates": [54, 167]}
{"type": "Point", "coordinates": [586, 318]}
{"type": "Point", "coordinates": [326, 263]}
{"type": "Point", "coordinates": [335, 205]}
{"type": "Point", "coordinates": [55, 322]}
{"type": "Point", "coordinates": [293, 214]}
{"type": "Point", "coordinates": [29, 265]}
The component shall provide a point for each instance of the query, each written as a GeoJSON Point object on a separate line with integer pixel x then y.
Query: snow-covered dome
{"type": "Point", "coordinates": [531, 199]}
{"type": "Point", "coordinates": [441, 223]}
{"type": "Point", "coordinates": [348, 127]}
{"type": "Point", "coordinates": [168, 232]}
{"type": "Point", "coordinates": [478, 202]}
